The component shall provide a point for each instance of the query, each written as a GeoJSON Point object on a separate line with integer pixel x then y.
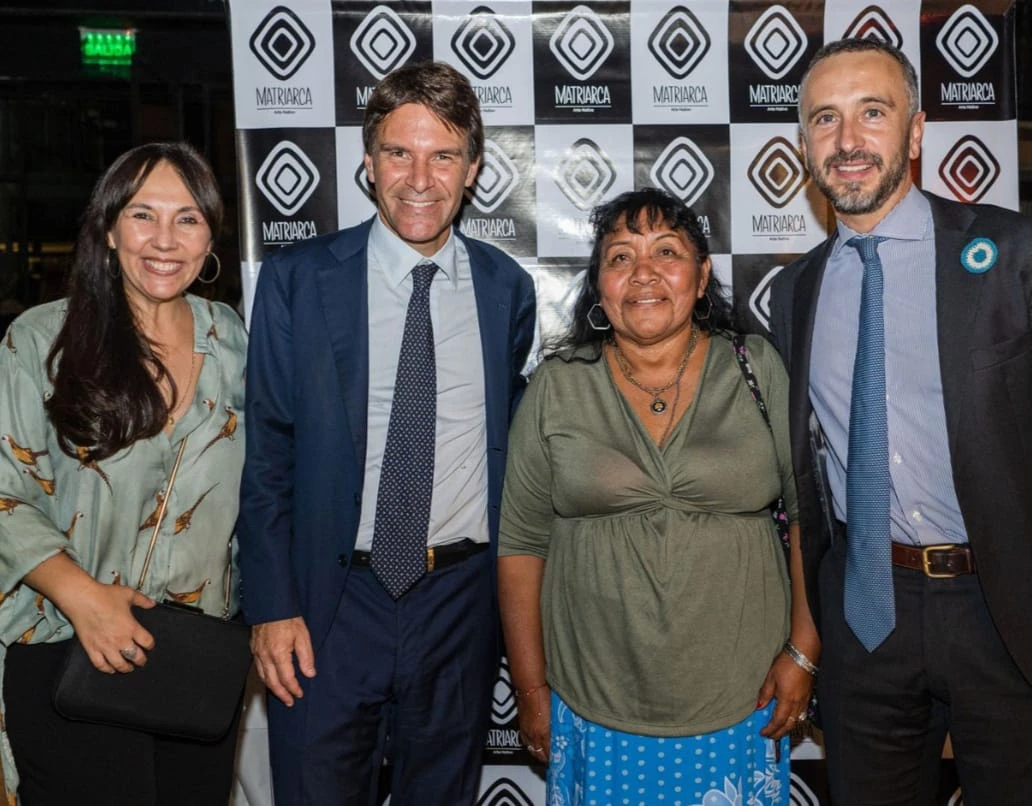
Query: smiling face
{"type": "Point", "coordinates": [858, 134]}
{"type": "Point", "coordinates": [649, 282]}
{"type": "Point", "coordinates": [161, 238]}
{"type": "Point", "coordinates": [420, 168]}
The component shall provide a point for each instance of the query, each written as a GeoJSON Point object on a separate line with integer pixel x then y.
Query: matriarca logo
{"type": "Point", "coordinates": [497, 179]}
{"type": "Point", "coordinates": [382, 41]}
{"type": "Point", "coordinates": [967, 40]}
{"type": "Point", "coordinates": [679, 42]}
{"type": "Point", "coordinates": [775, 42]}
{"type": "Point", "coordinates": [874, 23]}
{"type": "Point", "coordinates": [759, 299]}
{"type": "Point", "coordinates": [287, 177]}
{"type": "Point", "coordinates": [777, 172]}
{"type": "Point", "coordinates": [504, 792]}
{"type": "Point", "coordinates": [503, 699]}
{"type": "Point", "coordinates": [282, 43]}
{"type": "Point", "coordinates": [585, 174]}
{"type": "Point", "coordinates": [683, 170]}
{"type": "Point", "coordinates": [483, 43]}
{"type": "Point", "coordinates": [581, 42]}
{"type": "Point", "coordinates": [969, 169]}
{"type": "Point", "coordinates": [800, 794]}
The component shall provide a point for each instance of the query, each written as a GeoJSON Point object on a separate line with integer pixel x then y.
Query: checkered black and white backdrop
{"type": "Point", "coordinates": [582, 101]}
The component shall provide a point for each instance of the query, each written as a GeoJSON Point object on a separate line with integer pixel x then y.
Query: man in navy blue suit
{"type": "Point", "coordinates": [362, 658]}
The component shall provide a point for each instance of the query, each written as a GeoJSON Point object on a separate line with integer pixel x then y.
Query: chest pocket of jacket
{"type": "Point", "coordinates": [1003, 373]}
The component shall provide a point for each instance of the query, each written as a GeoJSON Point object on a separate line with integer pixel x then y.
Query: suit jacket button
{"type": "Point", "coordinates": [358, 499]}
{"type": "Point", "coordinates": [342, 560]}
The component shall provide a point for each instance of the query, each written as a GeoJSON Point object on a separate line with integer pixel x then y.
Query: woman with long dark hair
{"type": "Point", "coordinates": [656, 648]}
{"type": "Point", "coordinates": [97, 393]}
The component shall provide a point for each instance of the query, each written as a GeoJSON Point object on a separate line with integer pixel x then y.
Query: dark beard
{"type": "Point", "coordinates": [852, 200]}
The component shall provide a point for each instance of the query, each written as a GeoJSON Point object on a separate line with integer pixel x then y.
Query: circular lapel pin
{"type": "Point", "coordinates": [979, 256]}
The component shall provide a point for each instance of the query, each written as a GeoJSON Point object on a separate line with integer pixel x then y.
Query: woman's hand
{"type": "Point", "coordinates": [791, 685]}
{"type": "Point", "coordinates": [534, 715]}
{"type": "Point", "coordinates": [112, 638]}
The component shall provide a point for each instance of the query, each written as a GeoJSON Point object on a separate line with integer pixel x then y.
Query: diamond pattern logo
{"type": "Point", "coordinates": [759, 300]}
{"type": "Point", "coordinates": [504, 792]}
{"type": "Point", "coordinates": [679, 42]}
{"type": "Point", "coordinates": [874, 23]}
{"type": "Point", "coordinates": [287, 177]}
{"type": "Point", "coordinates": [282, 43]}
{"type": "Point", "coordinates": [382, 41]}
{"type": "Point", "coordinates": [969, 169]}
{"type": "Point", "coordinates": [775, 42]}
{"type": "Point", "coordinates": [362, 181]}
{"type": "Point", "coordinates": [497, 179]}
{"type": "Point", "coordinates": [503, 700]}
{"type": "Point", "coordinates": [778, 172]}
{"type": "Point", "coordinates": [683, 170]}
{"type": "Point", "coordinates": [581, 42]}
{"type": "Point", "coordinates": [967, 40]}
{"type": "Point", "coordinates": [799, 793]}
{"type": "Point", "coordinates": [483, 43]}
{"type": "Point", "coordinates": [585, 174]}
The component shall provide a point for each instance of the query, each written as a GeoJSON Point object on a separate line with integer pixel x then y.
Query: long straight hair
{"type": "Point", "coordinates": [105, 372]}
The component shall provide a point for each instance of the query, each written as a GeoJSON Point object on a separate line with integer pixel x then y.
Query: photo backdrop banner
{"type": "Point", "coordinates": [580, 103]}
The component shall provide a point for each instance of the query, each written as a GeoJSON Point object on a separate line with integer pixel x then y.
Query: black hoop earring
{"type": "Point", "coordinates": [709, 308]}
{"type": "Point", "coordinates": [218, 269]}
{"type": "Point", "coordinates": [593, 316]}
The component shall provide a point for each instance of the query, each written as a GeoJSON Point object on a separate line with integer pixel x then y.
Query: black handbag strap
{"type": "Point", "coordinates": [777, 508]}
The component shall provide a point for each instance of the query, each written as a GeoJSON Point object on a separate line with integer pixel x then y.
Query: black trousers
{"type": "Point", "coordinates": [944, 669]}
{"type": "Point", "coordinates": [61, 762]}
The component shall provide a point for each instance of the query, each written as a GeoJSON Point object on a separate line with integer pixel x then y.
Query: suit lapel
{"type": "Point", "coordinates": [343, 296]}
{"type": "Point", "coordinates": [958, 297]}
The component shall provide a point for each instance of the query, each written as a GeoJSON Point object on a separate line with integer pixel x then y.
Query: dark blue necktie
{"type": "Point", "coordinates": [869, 606]}
{"type": "Point", "coordinates": [407, 475]}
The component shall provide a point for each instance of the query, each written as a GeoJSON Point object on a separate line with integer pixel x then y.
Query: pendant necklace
{"type": "Point", "coordinates": [658, 404]}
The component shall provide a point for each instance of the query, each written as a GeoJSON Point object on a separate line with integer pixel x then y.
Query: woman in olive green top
{"type": "Point", "coordinates": [644, 591]}
{"type": "Point", "coordinates": [97, 391]}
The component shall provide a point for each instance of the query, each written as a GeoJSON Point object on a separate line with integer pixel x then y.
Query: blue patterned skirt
{"type": "Point", "coordinates": [592, 765]}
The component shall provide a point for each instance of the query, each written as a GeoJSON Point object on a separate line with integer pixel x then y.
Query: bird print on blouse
{"type": "Point", "coordinates": [227, 431]}
{"type": "Point", "coordinates": [188, 597]}
{"type": "Point", "coordinates": [152, 519]}
{"type": "Point", "coordinates": [86, 462]}
{"type": "Point", "coordinates": [25, 455]}
{"type": "Point", "coordinates": [183, 521]}
{"type": "Point", "coordinates": [47, 485]}
{"type": "Point", "coordinates": [8, 504]}
{"type": "Point", "coordinates": [70, 531]}
{"type": "Point", "coordinates": [10, 342]}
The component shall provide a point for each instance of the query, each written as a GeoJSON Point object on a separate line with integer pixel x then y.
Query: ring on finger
{"type": "Point", "coordinates": [129, 652]}
{"type": "Point", "coordinates": [802, 717]}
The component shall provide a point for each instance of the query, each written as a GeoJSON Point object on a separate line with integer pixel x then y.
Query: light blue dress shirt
{"type": "Point", "coordinates": [923, 506]}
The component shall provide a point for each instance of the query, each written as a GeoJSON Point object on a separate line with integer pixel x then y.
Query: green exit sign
{"type": "Point", "coordinates": [106, 46]}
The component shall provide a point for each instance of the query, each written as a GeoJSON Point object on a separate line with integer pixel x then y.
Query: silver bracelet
{"type": "Point", "coordinates": [799, 658]}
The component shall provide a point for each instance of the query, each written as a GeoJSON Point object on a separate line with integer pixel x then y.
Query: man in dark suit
{"type": "Point", "coordinates": [384, 365]}
{"type": "Point", "coordinates": [908, 336]}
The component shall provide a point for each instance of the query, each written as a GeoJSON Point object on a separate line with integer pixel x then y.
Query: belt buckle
{"type": "Point", "coordinates": [926, 563]}
{"type": "Point", "coordinates": [430, 560]}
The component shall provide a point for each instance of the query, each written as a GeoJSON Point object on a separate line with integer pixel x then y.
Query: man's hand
{"type": "Point", "coordinates": [274, 644]}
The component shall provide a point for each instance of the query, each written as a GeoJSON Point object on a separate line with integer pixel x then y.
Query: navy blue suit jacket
{"type": "Point", "coordinates": [984, 326]}
{"type": "Point", "coordinates": [307, 391]}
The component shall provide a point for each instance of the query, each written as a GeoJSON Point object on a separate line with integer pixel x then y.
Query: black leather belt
{"type": "Point", "coordinates": [938, 562]}
{"type": "Point", "coordinates": [437, 557]}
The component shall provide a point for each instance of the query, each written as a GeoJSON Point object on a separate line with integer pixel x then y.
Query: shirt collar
{"type": "Point", "coordinates": [910, 220]}
{"type": "Point", "coordinates": [203, 324]}
{"type": "Point", "coordinates": [396, 258]}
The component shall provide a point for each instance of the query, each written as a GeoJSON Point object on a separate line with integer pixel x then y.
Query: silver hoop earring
{"type": "Point", "coordinates": [593, 315]}
{"type": "Point", "coordinates": [218, 269]}
{"type": "Point", "coordinates": [709, 308]}
{"type": "Point", "coordinates": [114, 268]}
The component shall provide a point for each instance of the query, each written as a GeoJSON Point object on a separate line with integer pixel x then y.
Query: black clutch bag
{"type": "Point", "coordinates": [192, 683]}
{"type": "Point", "coordinates": [190, 687]}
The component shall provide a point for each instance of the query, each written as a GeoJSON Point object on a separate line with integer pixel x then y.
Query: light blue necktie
{"type": "Point", "coordinates": [869, 605]}
{"type": "Point", "coordinates": [407, 475]}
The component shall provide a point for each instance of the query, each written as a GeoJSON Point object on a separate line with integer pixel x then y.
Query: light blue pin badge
{"type": "Point", "coordinates": [980, 255]}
